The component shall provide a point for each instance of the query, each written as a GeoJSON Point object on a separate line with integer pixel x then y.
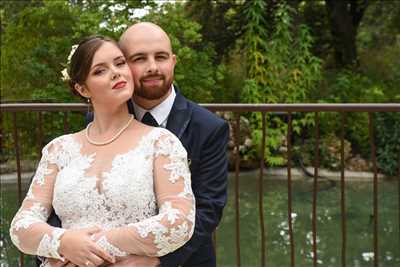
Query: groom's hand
{"type": "Point", "coordinates": [137, 261]}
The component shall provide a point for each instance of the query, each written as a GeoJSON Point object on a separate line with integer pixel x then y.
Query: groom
{"type": "Point", "coordinates": [158, 102]}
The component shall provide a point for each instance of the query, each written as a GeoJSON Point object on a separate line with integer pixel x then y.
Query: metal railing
{"type": "Point", "coordinates": [288, 110]}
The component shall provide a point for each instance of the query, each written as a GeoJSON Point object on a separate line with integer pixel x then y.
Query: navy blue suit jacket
{"type": "Point", "coordinates": [205, 137]}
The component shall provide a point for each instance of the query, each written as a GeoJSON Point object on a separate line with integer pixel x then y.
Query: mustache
{"type": "Point", "coordinates": [152, 77]}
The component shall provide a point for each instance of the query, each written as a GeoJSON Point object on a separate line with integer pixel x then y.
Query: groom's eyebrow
{"type": "Point", "coordinates": [136, 55]}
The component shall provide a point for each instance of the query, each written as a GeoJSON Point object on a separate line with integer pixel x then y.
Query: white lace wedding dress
{"type": "Point", "coordinates": [140, 194]}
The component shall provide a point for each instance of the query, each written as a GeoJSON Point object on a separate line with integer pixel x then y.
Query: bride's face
{"type": "Point", "coordinates": [109, 81]}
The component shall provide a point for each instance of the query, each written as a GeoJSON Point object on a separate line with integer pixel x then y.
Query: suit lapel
{"type": "Point", "coordinates": [180, 115]}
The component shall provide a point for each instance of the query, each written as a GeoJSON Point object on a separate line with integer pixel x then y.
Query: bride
{"type": "Point", "coordinates": [119, 187]}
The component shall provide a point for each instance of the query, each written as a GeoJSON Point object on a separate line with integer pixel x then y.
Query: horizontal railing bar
{"type": "Point", "coordinates": [303, 107]}
{"type": "Point", "coordinates": [364, 107]}
{"type": "Point", "coordinates": [43, 107]}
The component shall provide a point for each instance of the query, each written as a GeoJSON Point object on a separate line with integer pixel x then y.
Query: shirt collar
{"type": "Point", "coordinates": [159, 112]}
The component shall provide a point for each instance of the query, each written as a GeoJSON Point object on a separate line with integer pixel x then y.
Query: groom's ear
{"type": "Point", "coordinates": [173, 59]}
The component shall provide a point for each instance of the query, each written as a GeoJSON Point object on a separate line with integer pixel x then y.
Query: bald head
{"type": "Point", "coordinates": [148, 51]}
{"type": "Point", "coordinates": [144, 32]}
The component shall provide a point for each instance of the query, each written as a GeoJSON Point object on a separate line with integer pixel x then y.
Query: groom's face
{"type": "Point", "coordinates": [152, 63]}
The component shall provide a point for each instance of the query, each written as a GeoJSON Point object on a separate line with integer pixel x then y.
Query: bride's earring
{"type": "Point", "coordinates": [88, 104]}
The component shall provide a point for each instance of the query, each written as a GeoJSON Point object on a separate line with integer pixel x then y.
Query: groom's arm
{"type": "Point", "coordinates": [209, 184]}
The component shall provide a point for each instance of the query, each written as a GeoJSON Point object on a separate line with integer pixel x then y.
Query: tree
{"type": "Point", "coordinates": [34, 45]}
{"type": "Point", "coordinates": [221, 23]}
{"type": "Point", "coordinates": [345, 17]}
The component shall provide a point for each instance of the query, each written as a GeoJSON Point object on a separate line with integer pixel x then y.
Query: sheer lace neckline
{"type": "Point", "coordinates": [136, 146]}
{"type": "Point", "coordinates": [100, 167]}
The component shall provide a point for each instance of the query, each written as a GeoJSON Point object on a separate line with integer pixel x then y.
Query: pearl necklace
{"type": "Point", "coordinates": [112, 139]}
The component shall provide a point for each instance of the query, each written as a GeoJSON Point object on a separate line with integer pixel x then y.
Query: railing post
{"type": "Point", "coordinates": [375, 192]}
{"type": "Point", "coordinates": [214, 233]}
{"type": "Point", "coordinates": [315, 190]}
{"type": "Point", "coordinates": [40, 133]}
{"type": "Point", "coordinates": [261, 192]}
{"type": "Point", "coordinates": [18, 161]}
{"type": "Point", "coordinates": [342, 191]}
{"type": "Point", "coordinates": [237, 201]}
{"type": "Point", "coordinates": [65, 122]}
{"type": "Point", "coordinates": [289, 185]}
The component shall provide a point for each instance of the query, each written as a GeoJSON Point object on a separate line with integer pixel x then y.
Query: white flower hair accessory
{"type": "Point", "coordinates": [64, 72]}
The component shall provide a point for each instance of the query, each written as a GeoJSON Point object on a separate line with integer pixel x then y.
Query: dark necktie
{"type": "Point", "coordinates": [149, 120]}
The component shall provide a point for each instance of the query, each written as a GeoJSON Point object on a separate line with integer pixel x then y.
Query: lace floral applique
{"type": "Point", "coordinates": [172, 214]}
{"type": "Point", "coordinates": [48, 246]}
{"type": "Point", "coordinates": [35, 214]}
{"type": "Point", "coordinates": [169, 238]}
{"type": "Point", "coordinates": [42, 170]}
{"type": "Point", "coordinates": [110, 248]}
{"type": "Point", "coordinates": [166, 239]}
{"type": "Point", "coordinates": [178, 236]}
{"type": "Point", "coordinates": [170, 146]}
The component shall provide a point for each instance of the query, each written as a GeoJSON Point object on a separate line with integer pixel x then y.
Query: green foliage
{"type": "Point", "coordinates": [221, 24]}
{"type": "Point", "coordinates": [355, 87]}
{"type": "Point", "coordinates": [329, 151]}
{"type": "Point", "coordinates": [352, 87]}
{"type": "Point", "coordinates": [387, 136]}
{"type": "Point", "coordinates": [281, 69]}
{"type": "Point", "coordinates": [27, 62]}
{"type": "Point", "coordinates": [256, 44]}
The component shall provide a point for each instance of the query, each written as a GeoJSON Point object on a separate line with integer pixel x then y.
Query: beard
{"type": "Point", "coordinates": [153, 92]}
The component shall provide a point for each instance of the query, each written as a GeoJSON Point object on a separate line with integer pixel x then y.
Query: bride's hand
{"type": "Point", "coordinates": [58, 263]}
{"type": "Point", "coordinates": [77, 247]}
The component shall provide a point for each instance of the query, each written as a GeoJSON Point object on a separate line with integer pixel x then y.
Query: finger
{"type": "Point", "coordinates": [102, 254]}
{"type": "Point", "coordinates": [56, 263]}
{"type": "Point", "coordinates": [97, 261]}
{"type": "Point", "coordinates": [93, 230]}
{"type": "Point", "coordinates": [87, 263]}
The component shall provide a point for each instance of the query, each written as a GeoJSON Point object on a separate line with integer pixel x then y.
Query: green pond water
{"type": "Point", "coordinates": [359, 206]}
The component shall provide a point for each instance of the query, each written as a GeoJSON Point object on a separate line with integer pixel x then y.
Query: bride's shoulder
{"type": "Point", "coordinates": [159, 132]}
{"type": "Point", "coordinates": [165, 138]}
{"type": "Point", "coordinates": [62, 141]}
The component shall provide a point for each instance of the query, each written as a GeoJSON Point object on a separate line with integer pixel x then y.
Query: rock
{"type": "Point", "coordinates": [358, 164]}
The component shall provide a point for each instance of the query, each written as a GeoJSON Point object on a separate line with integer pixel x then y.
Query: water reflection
{"type": "Point", "coordinates": [359, 208]}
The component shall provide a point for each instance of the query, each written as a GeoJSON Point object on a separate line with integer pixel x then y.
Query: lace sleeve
{"type": "Point", "coordinates": [29, 230]}
{"type": "Point", "coordinates": [174, 225]}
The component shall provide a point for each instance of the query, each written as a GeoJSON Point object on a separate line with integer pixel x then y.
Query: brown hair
{"type": "Point", "coordinates": [82, 59]}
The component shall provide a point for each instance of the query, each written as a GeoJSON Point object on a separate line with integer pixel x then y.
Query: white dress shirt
{"type": "Point", "coordinates": [160, 112]}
